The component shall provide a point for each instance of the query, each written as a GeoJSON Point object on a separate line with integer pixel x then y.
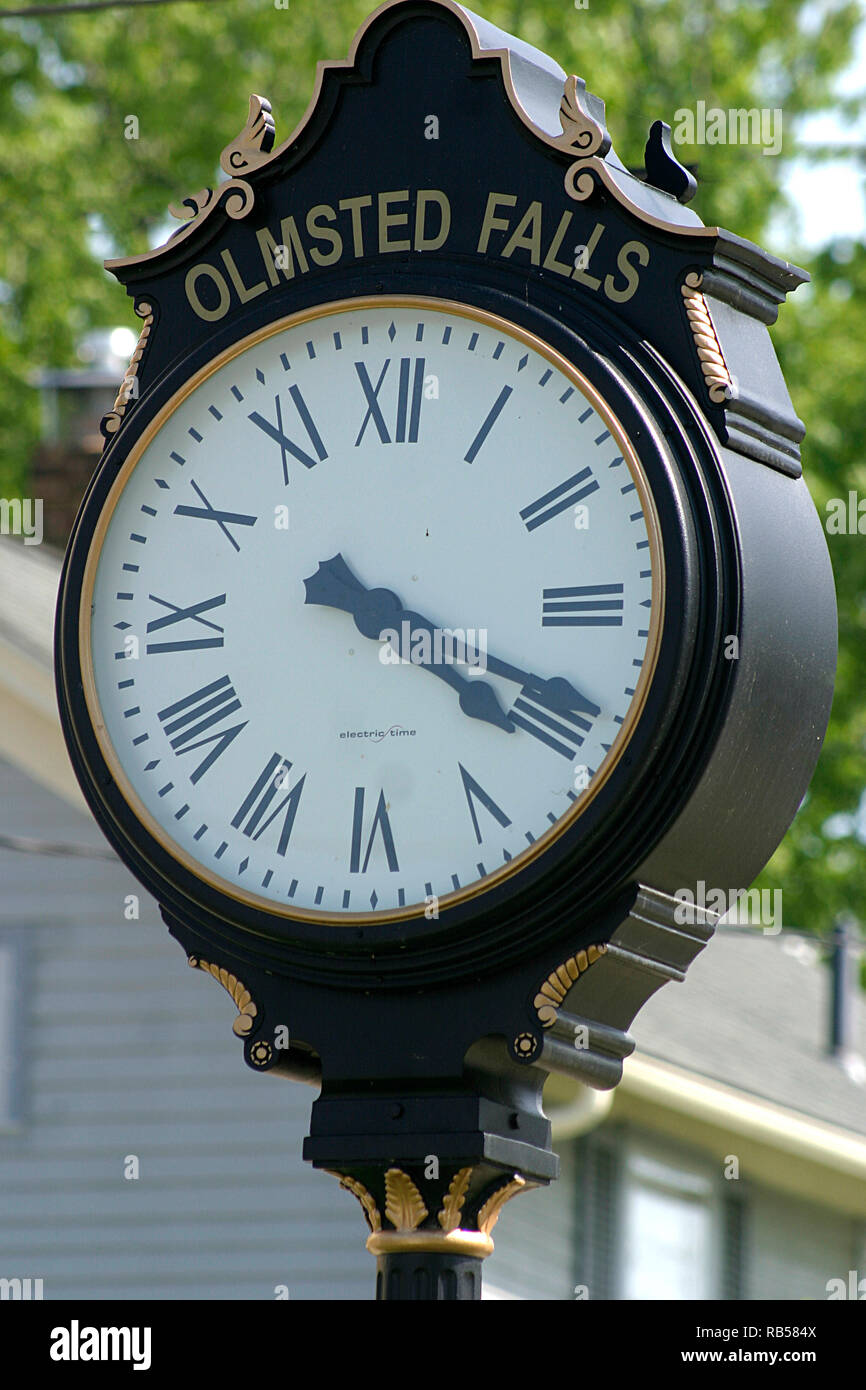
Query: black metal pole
{"type": "Point", "coordinates": [433, 1169]}
{"type": "Point", "coordinates": [423, 1275]}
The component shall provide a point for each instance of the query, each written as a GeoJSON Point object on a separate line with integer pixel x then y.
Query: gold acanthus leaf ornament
{"type": "Point", "coordinates": [492, 1209]}
{"type": "Point", "coordinates": [247, 1010]}
{"type": "Point", "coordinates": [255, 142]}
{"type": "Point", "coordinates": [368, 1202]}
{"type": "Point", "coordinates": [449, 1216]}
{"type": "Point", "coordinates": [404, 1205]}
{"type": "Point", "coordinates": [559, 982]}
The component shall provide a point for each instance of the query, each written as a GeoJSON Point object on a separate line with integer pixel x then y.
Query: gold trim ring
{"type": "Point", "coordinates": [474, 1243]}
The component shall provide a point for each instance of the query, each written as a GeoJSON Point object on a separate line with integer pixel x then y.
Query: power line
{"type": "Point", "coordinates": [84, 6]}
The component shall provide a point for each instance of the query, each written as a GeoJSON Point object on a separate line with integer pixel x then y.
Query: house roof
{"type": "Point", "coordinates": [29, 579]}
{"type": "Point", "coordinates": [753, 1014]}
{"type": "Point", "coordinates": [30, 734]}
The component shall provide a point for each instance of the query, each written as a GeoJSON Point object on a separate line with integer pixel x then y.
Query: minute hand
{"type": "Point", "coordinates": [556, 693]}
{"type": "Point", "coordinates": [376, 610]}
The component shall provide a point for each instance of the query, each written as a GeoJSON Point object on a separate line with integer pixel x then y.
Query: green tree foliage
{"type": "Point", "coordinates": [821, 864]}
{"type": "Point", "coordinates": [75, 187]}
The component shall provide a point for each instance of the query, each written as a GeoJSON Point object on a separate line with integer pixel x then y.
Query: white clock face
{"type": "Point", "coordinates": [374, 609]}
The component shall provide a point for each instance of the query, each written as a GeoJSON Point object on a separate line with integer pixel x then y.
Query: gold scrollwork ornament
{"type": "Point", "coordinates": [717, 378]}
{"type": "Point", "coordinates": [247, 1010]}
{"type": "Point", "coordinates": [583, 133]}
{"type": "Point", "coordinates": [129, 386]}
{"type": "Point", "coordinates": [246, 152]}
{"type": "Point", "coordinates": [559, 982]}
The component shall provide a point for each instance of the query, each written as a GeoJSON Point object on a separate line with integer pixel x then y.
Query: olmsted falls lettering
{"type": "Point", "coordinates": [398, 221]}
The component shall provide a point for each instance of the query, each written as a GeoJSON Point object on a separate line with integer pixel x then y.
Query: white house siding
{"type": "Point", "coordinates": [796, 1247]}
{"type": "Point", "coordinates": [120, 1049]}
{"type": "Point", "coordinates": [536, 1236]}
{"type": "Point", "coordinates": [125, 1050]}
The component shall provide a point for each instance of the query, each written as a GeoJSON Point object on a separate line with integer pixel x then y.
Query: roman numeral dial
{"type": "Point", "coordinates": [188, 619]}
{"type": "Point", "coordinates": [223, 519]}
{"type": "Point", "coordinates": [583, 605]}
{"type": "Point", "coordinates": [375, 612]}
{"type": "Point", "coordinates": [559, 499]}
{"type": "Point", "coordinates": [406, 418]}
{"type": "Point", "coordinates": [287, 446]}
{"type": "Point", "coordinates": [265, 803]}
{"type": "Point", "coordinates": [561, 731]}
{"type": "Point", "coordinates": [379, 829]}
{"type": "Point", "coordinates": [203, 720]}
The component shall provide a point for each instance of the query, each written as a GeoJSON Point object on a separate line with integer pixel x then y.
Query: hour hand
{"type": "Point", "coordinates": [335, 586]}
{"type": "Point", "coordinates": [376, 611]}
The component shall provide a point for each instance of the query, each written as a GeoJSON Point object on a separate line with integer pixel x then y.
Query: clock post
{"type": "Point", "coordinates": [448, 613]}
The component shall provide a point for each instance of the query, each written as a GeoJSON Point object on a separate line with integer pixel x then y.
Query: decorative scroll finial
{"type": "Point", "coordinates": [245, 153]}
{"type": "Point", "coordinates": [255, 142]}
{"type": "Point", "coordinates": [188, 209]}
{"type": "Point", "coordinates": [581, 116]}
{"type": "Point", "coordinates": [663, 169]}
{"type": "Point", "coordinates": [584, 133]}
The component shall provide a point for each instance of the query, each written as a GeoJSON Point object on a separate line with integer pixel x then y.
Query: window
{"type": "Point", "coordinates": [655, 1220]}
{"type": "Point", "coordinates": [668, 1231]}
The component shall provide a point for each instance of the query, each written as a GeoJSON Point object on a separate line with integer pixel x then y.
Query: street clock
{"type": "Point", "coordinates": [395, 610]}
{"type": "Point", "coordinates": [448, 598]}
